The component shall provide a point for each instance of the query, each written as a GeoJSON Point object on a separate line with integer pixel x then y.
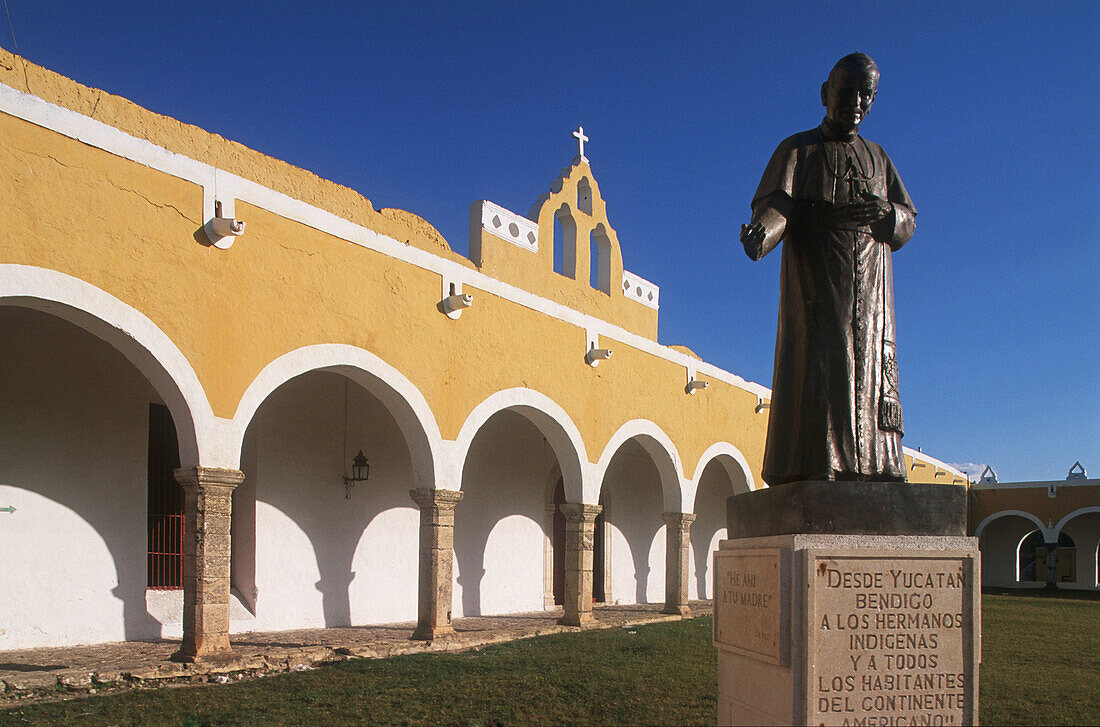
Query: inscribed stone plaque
{"type": "Point", "coordinates": [750, 604]}
{"type": "Point", "coordinates": [891, 638]}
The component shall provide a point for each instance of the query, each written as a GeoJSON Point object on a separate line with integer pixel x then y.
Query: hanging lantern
{"type": "Point", "coordinates": [360, 472]}
{"type": "Point", "coordinates": [360, 468]}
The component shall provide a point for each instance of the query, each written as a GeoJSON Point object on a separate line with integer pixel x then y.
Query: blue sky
{"type": "Point", "coordinates": [989, 111]}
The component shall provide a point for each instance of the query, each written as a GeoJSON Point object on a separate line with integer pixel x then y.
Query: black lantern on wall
{"type": "Point", "coordinates": [360, 472]}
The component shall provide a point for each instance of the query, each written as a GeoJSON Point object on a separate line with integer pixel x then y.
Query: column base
{"type": "Point", "coordinates": [677, 610]}
{"type": "Point", "coordinates": [582, 619]}
{"type": "Point", "coordinates": [430, 633]}
{"type": "Point", "coordinates": [216, 658]}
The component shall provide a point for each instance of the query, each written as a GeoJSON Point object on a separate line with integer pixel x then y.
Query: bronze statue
{"type": "Point", "coordinates": [839, 206]}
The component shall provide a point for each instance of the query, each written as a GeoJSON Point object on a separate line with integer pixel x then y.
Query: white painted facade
{"type": "Point", "coordinates": [74, 455]}
{"type": "Point", "coordinates": [75, 443]}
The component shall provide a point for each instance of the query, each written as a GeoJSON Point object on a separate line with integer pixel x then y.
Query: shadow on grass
{"type": "Point", "coordinates": [1073, 594]}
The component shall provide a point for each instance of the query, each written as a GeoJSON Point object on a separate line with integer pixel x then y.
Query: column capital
{"type": "Point", "coordinates": [217, 476]}
{"type": "Point", "coordinates": [576, 513]}
{"type": "Point", "coordinates": [683, 519]}
{"type": "Point", "coordinates": [428, 497]}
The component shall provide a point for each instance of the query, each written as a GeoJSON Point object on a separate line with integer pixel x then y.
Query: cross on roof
{"type": "Point", "coordinates": [581, 138]}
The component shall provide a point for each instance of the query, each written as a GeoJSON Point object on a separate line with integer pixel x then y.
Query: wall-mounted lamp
{"type": "Point", "coordinates": [595, 355]}
{"type": "Point", "coordinates": [761, 404]}
{"type": "Point", "coordinates": [221, 230]}
{"type": "Point", "coordinates": [360, 472]}
{"type": "Point", "coordinates": [454, 300]}
{"type": "Point", "coordinates": [917, 464]}
{"type": "Point", "coordinates": [695, 385]}
{"type": "Point", "coordinates": [940, 473]}
{"type": "Point", "coordinates": [454, 304]}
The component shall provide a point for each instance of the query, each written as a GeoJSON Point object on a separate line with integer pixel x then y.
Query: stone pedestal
{"type": "Point", "coordinates": [579, 539]}
{"type": "Point", "coordinates": [207, 508]}
{"type": "Point", "coordinates": [845, 615]}
{"type": "Point", "coordinates": [437, 524]}
{"type": "Point", "coordinates": [677, 538]}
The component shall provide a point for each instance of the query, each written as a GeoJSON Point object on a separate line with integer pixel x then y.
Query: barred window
{"type": "Point", "coordinates": [165, 523]}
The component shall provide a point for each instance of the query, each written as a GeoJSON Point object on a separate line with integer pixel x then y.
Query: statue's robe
{"type": "Point", "coordinates": [835, 412]}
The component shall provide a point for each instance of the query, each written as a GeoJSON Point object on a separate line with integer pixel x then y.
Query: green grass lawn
{"type": "Point", "coordinates": [1040, 666]}
{"type": "Point", "coordinates": [1040, 658]}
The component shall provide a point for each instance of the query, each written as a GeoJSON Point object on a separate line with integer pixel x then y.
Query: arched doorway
{"type": "Point", "coordinates": [721, 477]}
{"type": "Point", "coordinates": [1050, 563]}
{"type": "Point", "coordinates": [84, 432]}
{"type": "Point", "coordinates": [1000, 537]}
{"type": "Point", "coordinates": [310, 547]}
{"type": "Point", "coordinates": [1083, 526]}
{"type": "Point", "coordinates": [499, 526]}
{"type": "Point", "coordinates": [632, 494]}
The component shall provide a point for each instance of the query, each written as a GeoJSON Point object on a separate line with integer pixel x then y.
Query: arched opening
{"type": "Point", "coordinates": [565, 243]}
{"type": "Point", "coordinates": [1000, 540]}
{"type": "Point", "coordinates": [632, 496]}
{"type": "Point", "coordinates": [500, 526]}
{"type": "Point", "coordinates": [1083, 527]}
{"type": "Point", "coordinates": [310, 549]}
{"type": "Point", "coordinates": [79, 422]}
{"type": "Point", "coordinates": [600, 259]}
{"type": "Point", "coordinates": [584, 196]}
{"type": "Point", "coordinates": [1056, 563]}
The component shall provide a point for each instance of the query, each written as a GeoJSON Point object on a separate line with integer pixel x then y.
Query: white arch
{"type": "Point", "coordinates": [136, 337]}
{"type": "Point", "coordinates": [1067, 518]}
{"type": "Point", "coordinates": [399, 395]}
{"type": "Point", "coordinates": [1019, 545]}
{"type": "Point", "coordinates": [660, 449]}
{"type": "Point", "coordinates": [731, 459]}
{"type": "Point", "coordinates": [552, 421]}
{"type": "Point", "coordinates": [1019, 513]}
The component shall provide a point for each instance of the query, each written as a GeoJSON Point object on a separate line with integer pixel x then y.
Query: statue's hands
{"type": "Point", "coordinates": [872, 210]}
{"type": "Point", "coordinates": [752, 237]}
{"type": "Point", "coordinates": [866, 212]}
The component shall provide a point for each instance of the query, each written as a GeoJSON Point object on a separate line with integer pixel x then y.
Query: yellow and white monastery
{"type": "Point", "coordinates": [173, 302]}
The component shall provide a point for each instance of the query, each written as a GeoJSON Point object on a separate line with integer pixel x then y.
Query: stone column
{"type": "Point", "coordinates": [579, 538]}
{"type": "Point", "coordinates": [437, 525]}
{"type": "Point", "coordinates": [548, 601]}
{"type": "Point", "coordinates": [1051, 562]}
{"type": "Point", "coordinates": [207, 505]}
{"type": "Point", "coordinates": [678, 535]}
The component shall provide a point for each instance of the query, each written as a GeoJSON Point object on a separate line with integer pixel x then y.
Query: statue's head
{"type": "Point", "coordinates": [848, 93]}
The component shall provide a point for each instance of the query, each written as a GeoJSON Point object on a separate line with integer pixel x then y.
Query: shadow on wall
{"type": "Point", "coordinates": [499, 538]}
{"type": "Point", "coordinates": [721, 478]}
{"type": "Point", "coordinates": [305, 554]}
{"type": "Point", "coordinates": [631, 492]}
{"type": "Point", "coordinates": [73, 463]}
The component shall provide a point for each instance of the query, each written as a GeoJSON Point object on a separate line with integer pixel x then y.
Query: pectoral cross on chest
{"type": "Point", "coordinates": [853, 171]}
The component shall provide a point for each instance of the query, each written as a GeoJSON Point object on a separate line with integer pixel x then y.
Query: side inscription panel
{"type": "Point", "coordinates": [751, 605]}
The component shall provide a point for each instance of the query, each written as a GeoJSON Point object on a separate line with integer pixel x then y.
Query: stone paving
{"type": "Point", "coordinates": [51, 673]}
